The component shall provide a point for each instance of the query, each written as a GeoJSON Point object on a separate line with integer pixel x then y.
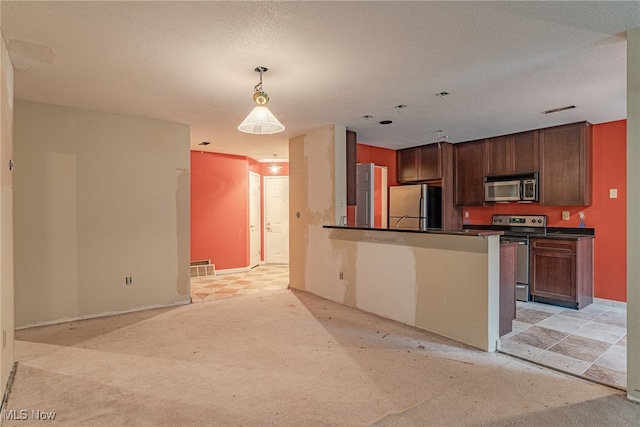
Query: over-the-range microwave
{"type": "Point", "coordinates": [511, 188]}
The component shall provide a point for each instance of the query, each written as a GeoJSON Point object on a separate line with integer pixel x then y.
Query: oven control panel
{"type": "Point", "coordinates": [520, 220]}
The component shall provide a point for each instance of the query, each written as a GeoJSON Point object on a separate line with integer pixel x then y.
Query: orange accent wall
{"type": "Point", "coordinates": [607, 216]}
{"type": "Point", "coordinates": [219, 209]}
{"type": "Point", "coordinates": [380, 157]}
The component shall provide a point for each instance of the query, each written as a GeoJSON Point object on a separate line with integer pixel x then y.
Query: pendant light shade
{"type": "Point", "coordinates": [260, 120]}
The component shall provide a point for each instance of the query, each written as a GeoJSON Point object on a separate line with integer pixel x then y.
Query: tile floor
{"type": "Point", "coordinates": [263, 278]}
{"type": "Point", "coordinates": [591, 343]}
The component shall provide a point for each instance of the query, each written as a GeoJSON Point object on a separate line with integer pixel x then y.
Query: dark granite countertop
{"type": "Point", "coordinates": [552, 232]}
{"type": "Point", "coordinates": [465, 232]}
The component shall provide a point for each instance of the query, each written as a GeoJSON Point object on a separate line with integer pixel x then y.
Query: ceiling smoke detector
{"type": "Point", "coordinates": [555, 110]}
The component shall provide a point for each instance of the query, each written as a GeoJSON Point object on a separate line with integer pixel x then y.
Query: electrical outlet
{"type": "Point", "coordinates": [341, 275]}
{"type": "Point", "coordinates": [613, 193]}
{"type": "Point", "coordinates": [565, 215]}
{"type": "Point", "coordinates": [466, 214]}
{"type": "Point", "coordinates": [128, 280]}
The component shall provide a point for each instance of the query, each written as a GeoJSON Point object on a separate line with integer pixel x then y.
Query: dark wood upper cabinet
{"type": "Point", "coordinates": [423, 163]}
{"type": "Point", "coordinates": [525, 152]}
{"type": "Point", "coordinates": [407, 164]}
{"type": "Point", "coordinates": [352, 159]}
{"type": "Point", "coordinates": [566, 165]}
{"type": "Point", "coordinates": [469, 171]}
{"type": "Point", "coordinates": [511, 154]}
{"type": "Point", "coordinates": [430, 162]}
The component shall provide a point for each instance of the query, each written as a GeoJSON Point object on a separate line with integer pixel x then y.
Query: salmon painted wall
{"type": "Point", "coordinates": [219, 209]}
{"type": "Point", "coordinates": [381, 157]}
{"type": "Point", "coordinates": [607, 216]}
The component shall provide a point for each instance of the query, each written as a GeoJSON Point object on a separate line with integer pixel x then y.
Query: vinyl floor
{"type": "Point", "coordinates": [263, 278]}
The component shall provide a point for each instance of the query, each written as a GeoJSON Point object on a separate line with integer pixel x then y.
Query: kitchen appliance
{"type": "Point", "coordinates": [511, 189]}
{"type": "Point", "coordinates": [519, 228]}
{"type": "Point", "coordinates": [415, 207]}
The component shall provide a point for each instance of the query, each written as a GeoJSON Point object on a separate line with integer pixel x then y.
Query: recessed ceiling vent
{"type": "Point", "coordinates": [555, 110]}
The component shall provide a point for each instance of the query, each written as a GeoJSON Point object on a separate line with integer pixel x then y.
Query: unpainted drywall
{"type": "Point", "coordinates": [446, 284]}
{"type": "Point", "coordinates": [314, 202]}
{"type": "Point", "coordinates": [97, 198]}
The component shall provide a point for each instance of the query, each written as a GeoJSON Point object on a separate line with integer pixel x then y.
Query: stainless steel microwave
{"type": "Point", "coordinates": [511, 190]}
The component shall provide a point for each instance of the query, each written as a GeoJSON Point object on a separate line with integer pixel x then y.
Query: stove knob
{"type": "Point", "coordinates": [540, 221]}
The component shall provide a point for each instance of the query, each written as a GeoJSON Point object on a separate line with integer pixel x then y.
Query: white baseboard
{"type": "Point", "coordinates": [105, 314]}
{"type": "Point", "coordinates": [610, 303]}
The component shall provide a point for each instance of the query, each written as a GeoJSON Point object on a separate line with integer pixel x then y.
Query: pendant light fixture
{"type": "Point", "coordinates": [274, 167]}
{"type": "Point", "coordinates": [260, 120]}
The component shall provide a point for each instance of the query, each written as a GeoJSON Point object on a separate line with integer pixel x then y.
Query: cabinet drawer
{"type": "Point", "coordinates": [568, 246]}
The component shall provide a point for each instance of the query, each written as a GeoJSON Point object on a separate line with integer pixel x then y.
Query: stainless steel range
{"type": "Point", "coordinates": [518, 228]}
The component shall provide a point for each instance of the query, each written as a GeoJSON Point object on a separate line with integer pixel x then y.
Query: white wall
{"type": "Point", "coordinates": [98, 197]}
{"type": "Point", "coordinates": [6, 221]}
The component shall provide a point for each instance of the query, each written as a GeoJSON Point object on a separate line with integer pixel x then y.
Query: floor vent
{"type": "Point", "coordinates": [202, 268]}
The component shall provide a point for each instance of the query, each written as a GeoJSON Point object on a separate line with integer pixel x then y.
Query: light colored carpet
{"type": "Point", "coordinates": [287, 359]}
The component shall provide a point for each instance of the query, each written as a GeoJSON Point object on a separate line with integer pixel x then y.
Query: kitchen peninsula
{"type": "Point", "coordinates": [446, 282]}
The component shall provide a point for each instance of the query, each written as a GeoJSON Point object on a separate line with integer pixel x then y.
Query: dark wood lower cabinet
{"type": "Point", "coordinates": [562, 270]}
{"type": "Point", "coordinates": [507, 286]}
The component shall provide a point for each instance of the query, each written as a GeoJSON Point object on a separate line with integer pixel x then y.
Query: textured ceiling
{"type": "Point", "coordinates": [503, 64]}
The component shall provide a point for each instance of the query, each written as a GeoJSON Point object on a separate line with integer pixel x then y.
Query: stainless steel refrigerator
{"type": "Point", "coordinates": [415, 207]}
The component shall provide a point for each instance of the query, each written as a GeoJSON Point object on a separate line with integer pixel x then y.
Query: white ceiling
{"type": "Point", "coordinates": [503, 63]}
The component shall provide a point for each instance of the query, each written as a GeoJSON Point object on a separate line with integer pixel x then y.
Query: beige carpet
{"type": "Point", "coordinates": [286, 359]}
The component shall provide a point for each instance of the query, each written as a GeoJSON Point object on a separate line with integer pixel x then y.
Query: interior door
{"type": "Point", "coordinates": [254, 219]}
{"type": "Point", "coordinates": [276, 219]}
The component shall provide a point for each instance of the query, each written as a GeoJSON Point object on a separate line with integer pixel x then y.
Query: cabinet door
{"type": "Point", "coordinates": [553, 267]}
{"type": "Point", "coordinates": [525, 152]}
{"type": "Point", "coordinates": [498, 156]}
{"type": "Point", "coordinates": [507, 286]}
{"type": "Point", "coordinates": [553, 275]}
{"type": "Point", "coordinates": [429, 164]}
{"type": "Point", "coordinates": [565, 165]}
{"type": "Point", "coordinates": [512, 154]}
{"type": "Point", "coordinates": [469, 173]}
{"type": "Point", "coordinates": [407, 164]}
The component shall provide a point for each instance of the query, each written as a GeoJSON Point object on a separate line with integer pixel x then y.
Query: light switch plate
{"type": "Point", "coordinates": [613, 193]}
{"type": "Point", "coordinates": [565, 215]}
